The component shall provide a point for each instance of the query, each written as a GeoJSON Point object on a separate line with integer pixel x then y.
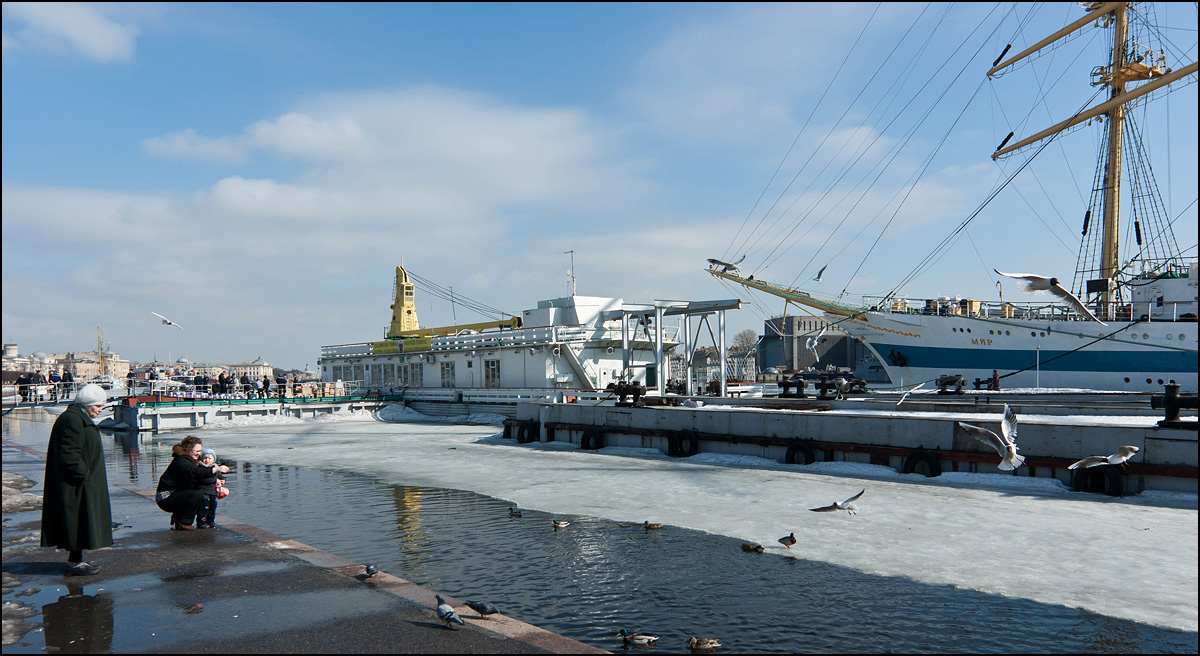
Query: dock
{"type": "Point", "coordinates": [923, 437]}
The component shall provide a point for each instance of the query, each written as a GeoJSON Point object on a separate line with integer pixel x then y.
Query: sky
{"type": "Point", "coordinates": [255, 172]}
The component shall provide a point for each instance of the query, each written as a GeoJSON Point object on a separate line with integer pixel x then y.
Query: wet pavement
{"type": "Point", "coordinates": [238, 589]}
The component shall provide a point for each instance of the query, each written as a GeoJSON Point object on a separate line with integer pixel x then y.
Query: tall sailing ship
{"type": "Point", "coordinates": [1146, 303]}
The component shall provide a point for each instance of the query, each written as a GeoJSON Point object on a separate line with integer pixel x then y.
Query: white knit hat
{"type": "Point", "coordinates": [91, 394]}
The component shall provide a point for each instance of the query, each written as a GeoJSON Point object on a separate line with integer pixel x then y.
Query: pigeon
{"type": "Point", "coordinates": [788, 540]}
{"type": "Point", "coordinates": [166, 321]}
{"type": "Point", "coordinates": [447, 614]}
{"type": "Point", "coordinates": [726, 266]}
{"type": "Point", "coordinates": [811, 343]}
{"type": "Point", "coordinates": [1123, 453]}
{"type": "Point", "coordinates": [905, 396]}
{"type": "Point", "coordinates": [371, 571]}
{"type": "Point", "coordinates": [637, 638]}
{"type": "Point", "coordinates": [1006, 446]}
{"type": "Point", "coordinates": [1036, 284]}
{"type": "Point", "coordinates": [513, 512]}
{"type": "Point", "coordinates": [560, 523]}
{"type": "Point", "coordinates": [649, 525]}
{"type": "Point", "coordinates": [847, 505]}
{"type": "Point", "coordinates": [483, 608]}
{"type": "Point", "coordinates": [750, 546]}
{"type": "Point", "coordinates": [821, 273]}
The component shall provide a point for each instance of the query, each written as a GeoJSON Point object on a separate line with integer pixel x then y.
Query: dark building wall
{"type": "Point", "coordinates": [784, 338]}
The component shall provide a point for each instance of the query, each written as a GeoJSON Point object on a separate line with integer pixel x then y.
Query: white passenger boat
{"type": "Point", "coordinates": [565, 349]}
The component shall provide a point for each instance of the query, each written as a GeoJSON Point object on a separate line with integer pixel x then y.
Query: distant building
{"type": "Point", "coordinates": [783, 344]}
{"type": "Point", "coordinates": [256, 369]}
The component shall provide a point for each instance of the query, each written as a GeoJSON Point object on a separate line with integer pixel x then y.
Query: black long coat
{"type": "Point", "coordinates": [75, 507]}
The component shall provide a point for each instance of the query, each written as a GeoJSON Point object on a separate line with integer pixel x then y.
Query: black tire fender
{"type": "Point", "coordinates": [528, 432]}
{"type": "Point", "coordinates": [804, 450]}
{"type": "Point", "coordinates": [924, 462]}
{"type": "Point", "coordinates": [592, 439]}
{"type": "Point", "coordinates": [1101, 478]}
{"type": "Point", "coordinates": [684, 444]}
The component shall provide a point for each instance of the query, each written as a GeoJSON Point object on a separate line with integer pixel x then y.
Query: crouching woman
{"type": "Point", "coordinates": [179, 486]}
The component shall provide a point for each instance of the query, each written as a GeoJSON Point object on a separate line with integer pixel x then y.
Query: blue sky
{"type": "Point", "coordinates": [255, 172]}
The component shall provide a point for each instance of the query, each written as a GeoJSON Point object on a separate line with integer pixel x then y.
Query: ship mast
{"type": "Point", "coordinates": [1119, 72]}
{"type": "Point", "coordinates": [1112, 173]}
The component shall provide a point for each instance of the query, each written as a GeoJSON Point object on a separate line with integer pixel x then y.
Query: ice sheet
{"type": "Point", "coordinates": [1134, 557]}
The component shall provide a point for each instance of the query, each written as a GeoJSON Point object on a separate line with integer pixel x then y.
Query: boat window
{"type": "Point", "coordinates": [491, 373]}
{"type": "Point", "coordinates": [447, 374]}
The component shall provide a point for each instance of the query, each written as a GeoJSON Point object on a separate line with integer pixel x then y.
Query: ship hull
{"type": "Point", "coordinates": [1143, 356]}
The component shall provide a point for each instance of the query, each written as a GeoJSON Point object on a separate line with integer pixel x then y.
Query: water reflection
{"type": "Point", "coordinates": [79, 623]}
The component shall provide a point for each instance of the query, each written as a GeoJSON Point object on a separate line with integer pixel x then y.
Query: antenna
{"type": "Point", "coordinates": [571, 271]}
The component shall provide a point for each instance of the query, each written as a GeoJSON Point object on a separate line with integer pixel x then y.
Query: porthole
{"type": "Point", "coordinates": [1172, 381]}
{"type": "Point", "coordinates": [1127, 379]}
{"type": "Point", "coordinates": [1148, 381]}
{"type": "Point", "coordinates": [1145, 335]}
{"type": "Point", "coordinates": [1160, 381]}
{"type": "Point", "coordinates": [1007, 333]}
{"type": "Point", "coordinates": [1181, 337]}
{"type": "Point", "coordinates": [968, 330]}
{"type": "Point", "coordinates": [991, 332]}
{"type": "Point", "coordinates": [1033, 333]}
{"type": "Point", "coordinates": [954, 330]}
{"type": "Point", "coordinates": [1041, 334]}
{"type": "Point", "coordinates": [1132, 335]}
{"type": "Point", "coordinates": [1170, 336]}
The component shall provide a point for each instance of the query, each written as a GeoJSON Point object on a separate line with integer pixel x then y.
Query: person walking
{"type": "Point", "coordinates": [76, 512]}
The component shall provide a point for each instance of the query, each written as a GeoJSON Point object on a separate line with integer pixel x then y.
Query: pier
{"type": "Point", "coordinates": [1055, 431]}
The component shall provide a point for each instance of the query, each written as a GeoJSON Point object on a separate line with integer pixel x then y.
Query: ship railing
{"type": "Point", "coordinates": [500, 395]}
{"type": "Point", "coordinates": [508, 338]}
{"type": "Point", "coordinates": [1031, 311]}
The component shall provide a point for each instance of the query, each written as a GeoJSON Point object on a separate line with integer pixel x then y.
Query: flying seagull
{"type": "Point", "coordinates": [811, 343]}
{"type": "Point", "coordinates": [820, 273]}
{"type": "Point", "coordinates": [447, 614]}
{"type": "Point", "coordinates": [1006, 446]}
{"type": "Point", "coordinates": [788, 540]}
{"type": "Point", "coordinates": [1123, 453]}
{"type": "Point", "coordinates": [905, 396]}
{"type": "Point", "coordinates": [847, 505]}
{"type": "Point", "coordinates": [166, 321]}
{"type": "Point", "coordinates": [726, 267]}
{"type": "Point", "coordinates": [1035, 283]}
{"type": "Point", "coordinates": [483, 608]}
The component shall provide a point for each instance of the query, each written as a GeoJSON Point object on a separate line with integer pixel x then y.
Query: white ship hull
{"type": "Point", "coordinates": [1143, 356]}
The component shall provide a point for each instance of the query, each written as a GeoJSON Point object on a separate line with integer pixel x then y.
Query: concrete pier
{"type": "Point", "coordinates": [923, 442]}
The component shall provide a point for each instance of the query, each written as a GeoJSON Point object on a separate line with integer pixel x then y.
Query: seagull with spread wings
{"type": "Point", "coordinates": [1004, 444]}
{"type": "Point", "coordinates": [812, 342]}
{"type": "Point", "coordinates": [1037, 284]}
{"type": "Point", "coordinates": [166, 321]}
{"type": "Point", "coordinates": [1123, 453]}
{"type": "Point", "coordinates": [847, 505]}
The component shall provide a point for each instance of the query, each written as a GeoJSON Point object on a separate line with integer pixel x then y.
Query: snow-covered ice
{"type": "Point", "coordinates": [1134, 558]}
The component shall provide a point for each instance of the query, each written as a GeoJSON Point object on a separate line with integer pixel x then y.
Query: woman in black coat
{"type": "Point", "coordinates": [76, 514]}
{"type": "Point", "coordinates": [179, 486]}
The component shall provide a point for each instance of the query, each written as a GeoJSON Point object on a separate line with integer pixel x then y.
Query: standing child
{"type": "Point", "coordinates": [211, 487]}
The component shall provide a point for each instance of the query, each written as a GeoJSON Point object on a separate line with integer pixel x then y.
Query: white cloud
{"type": "Point", "coordinates": [187, 144]}
{"type": "Point", "coordinates": [83, 27]}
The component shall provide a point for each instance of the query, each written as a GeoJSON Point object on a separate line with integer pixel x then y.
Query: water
{"type": "Point", "coordinates": [594, 577]}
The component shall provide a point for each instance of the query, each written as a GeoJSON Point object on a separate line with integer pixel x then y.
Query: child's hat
{"type": "Point", "coordinates": [208, 452]}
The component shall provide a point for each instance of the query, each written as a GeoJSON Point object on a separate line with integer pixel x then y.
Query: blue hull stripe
{"type": "Point", "coordinates": [1011, 360]}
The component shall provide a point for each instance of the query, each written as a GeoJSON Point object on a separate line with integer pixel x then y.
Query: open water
{"type": "Point", "coordinates": [593, 578]}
